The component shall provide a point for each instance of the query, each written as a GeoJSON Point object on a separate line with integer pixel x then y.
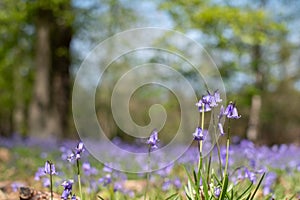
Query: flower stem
{"type": "Point", "coordinates": [227, 149]}
{"type": "Point", "coordinates": [51, 183]}
{"type": "Point", "coordinates": [148, 173]}
{"type": "Point", "coordinates": [200, 146]}
{"type": "Point", "coordinates": [218, 147]}
{"type": "Point", "coordinates": [78, 177]}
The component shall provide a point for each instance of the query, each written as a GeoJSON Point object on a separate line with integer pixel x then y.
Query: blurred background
{"type": "Point", "coordinates": [255, 44]}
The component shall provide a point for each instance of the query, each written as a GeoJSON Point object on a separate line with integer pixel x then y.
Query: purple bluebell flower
{"type": "Point", "coordinates": [73, 197]}
{"type": "Point", "coordinates": [117, 187]}
{"type": "Point", "coordinates": [166, 185]}
{"type": "Point", "coordinates": [79, 149]}
{"type": "Point", "coordinates": [207, 102]}
{"type": "Point", "coordinates": [203, 105]}
{"type": "Point", "coordinates": [105, 180]}
{"type": "Point", "coordinates": [71, 157]}
{"type": "Point", "coordinates": [217, 97]}
{"type": "Point", "coordinates": [107, 169]}
{"type": "Point", "coordinates": [46, 182]}
{"type": "Point", "coordinates": [220, 127]}
{"type": "Point", "coordinates": [16, 185]}
{"type": "Point", "coordinates": [231, 111]}
{"type": "Point", "coordinates": [40, 172]}
{"type": "Point", "coordinates": [88, 169]}
{"type": "Point", "coordinates": [67, 189]}
{"type": "Point", "coordinates": [222, 111]}
{"type": "Point", "coordinates": [65, 194]}
{"type": "Point", "coordinates": [217, 191]}
{"type": "Point", "coordinates": [49, 168]}
{"type": "Point", "coordinates": [77, 154]}
{"type": "Point", "coordinates": [269, 180]}
{"type": "Point", "coordinates": [177, 183]}
{"type": "Point", "coordinates": [153, 140]}
{"type": "Point", "coordinates": [68, 184]}
{"type": "Point", "coordinates": [250, 175]}
{"type": "Point", "coordinates": [199, 134]}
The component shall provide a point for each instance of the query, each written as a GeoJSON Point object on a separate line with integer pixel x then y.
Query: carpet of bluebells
{"type": "Point", "coordinates": [237, 170]}
{"type": "Point", "coordinates": [247, 161]}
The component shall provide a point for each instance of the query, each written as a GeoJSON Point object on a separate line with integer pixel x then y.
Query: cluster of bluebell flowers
{"type": "Point", "coordinates": [153, 140]}
{"type": "Point", "coordinates": [68, 190]}
{"type": "Point", "coordinates": [207, 103]}
{"type": "Point", "coordinates": [77, 154]}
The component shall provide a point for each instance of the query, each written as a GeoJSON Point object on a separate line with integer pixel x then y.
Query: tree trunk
{"type": "Point", "coordinates": [61, 76]}
{"type": "Point", "coordinates": [253, 124]}
{"type": "Point", "coordinates": [40, 105]}
{"type": "Point", "coordinates": [49, 110]}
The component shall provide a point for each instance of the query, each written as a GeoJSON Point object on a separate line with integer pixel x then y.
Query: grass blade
{"type": "Point", "coordinates": [245, 192]}
{"type": "Point", "coordinates": [205, 187]}
{"type": "Point", "coordinates": [172, 196]}
{"type": "Point", "coordinates": [224, 187]}
{"type": "Point", "coordinates": [262, 177]}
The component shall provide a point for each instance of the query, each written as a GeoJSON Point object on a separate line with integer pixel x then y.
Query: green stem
{"type": "Point", "coordinates": [227, 158]}
{"type": "Point", "coordinates": [200, 147]}
{"type": "Point", "coordinates": [148, 173]}
{"type": "Point", "coordinates": [218, 147]}
{"type": "Point", "coordinates": [227, 148]}
{"type": "Point", "coordinates": [51, 183]}
{"type": "Point", "coordinates": [208, 169]}
{"type": "Point", "coordinates": [219, 158]}
{"type": "Point", "coordinates": [78, 177]}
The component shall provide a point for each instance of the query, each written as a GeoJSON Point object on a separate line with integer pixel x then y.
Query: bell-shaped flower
{"type": "Point", "coordinates": [153, 140]}
{"type": "Point", "coordinates": [199, 134]}
{"type": "Point", "coordinates": [49, 168]}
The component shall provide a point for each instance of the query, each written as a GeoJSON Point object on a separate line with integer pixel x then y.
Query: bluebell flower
{"type": "Point", "coordinates": [107, 169]}
{"type": "Point", "coordinates": [65, 194]}
{"type": "Point", "coordinates": [77, 154]}
{"type": "Point", "coordinates": [203, 105]}
{"type": "Point", "coordinates": [79, 149]}
{"type": "Point", "coordinates": [68, 184]}
{"type": "Point", "coordinates": [207, 102]}
{"type": "Point", "coordinates": [217, 191]}
{"type": "Point", "coordinates": [73, 197]}
{"type": "Point", "coordinates": [67, 189]}
{"type": "Point", "coordinates": [46, 182]}
{"type": "Point", "coordinates": [88, 169]}
{"type": "Point", "coordinates": [270, 179]}
{"type": "Point", "coordinates": [220, 127]}
{"type": "Point", "coordinates": [105, 180]}
{"type": "Point", "coordinates": [117, 187]}
{"type": "Point", "coordinates": [231, 111]}
{"type": "Point", "coordinates": [199, 134]}
{"type": "Point", "coordinates": [40, 172]}
{"type": "Point", "coordinates": [250, 175]}
{"type": "Point", "coordinates": [153, 140]}
{"type": "Point", "coordinates": [49, 168]}
{"type": "Point", "coordinates": [177, 183]}
{"type": "Point", "coordinates": [217, 97]}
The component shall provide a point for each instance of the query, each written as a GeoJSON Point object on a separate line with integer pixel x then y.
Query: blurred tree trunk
{"type": "Point", "coordinates": [253, 124]}
{"type": "Point", "coordinates": [19, 109]}
{"type": "Point", "coordinates": [61, 38]}
{"type": "Point", "coordinates": [40, 105]}
{"type": "Point", "coordinates": [48, 114]}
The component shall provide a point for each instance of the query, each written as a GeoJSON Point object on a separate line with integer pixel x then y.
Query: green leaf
{"type": "Point", "coordinates": [172, 196]}
{"type": "Point", "coordinates": [224, 187]}
{"type": "Point", "coordinates": [100, 197]}
{"type": "Point", "coordinates": [205, 187]}
{"type": "Point", "coordinates": [245, 192]}
{"type": "Point", "coordinates": [262, 177]}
